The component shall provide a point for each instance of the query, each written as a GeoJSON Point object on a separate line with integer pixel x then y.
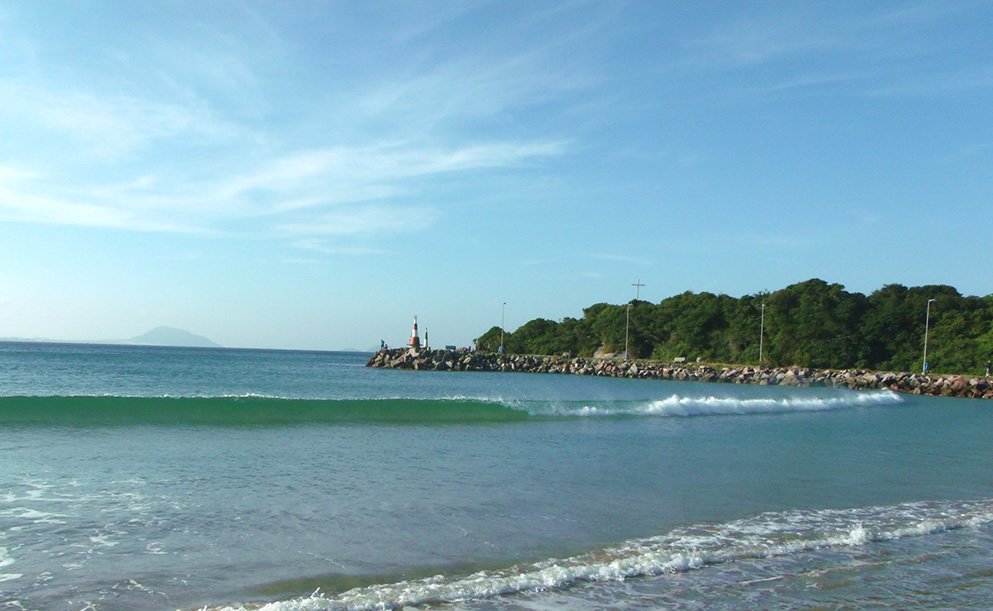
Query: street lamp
{"type": "Point", "coordinates": [503, 318]}
{"type": "Point", "coordinates": [761, 332]}
{"type": "Point", "coordinates": [627, 325]}
{"type": "Point", "coordinates": [627, 320]}
{"type": "Point", "coordinates": [927, 323]}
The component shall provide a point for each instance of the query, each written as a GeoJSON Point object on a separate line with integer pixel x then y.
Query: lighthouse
{"type": "Point", "coordinates": [415, 341]}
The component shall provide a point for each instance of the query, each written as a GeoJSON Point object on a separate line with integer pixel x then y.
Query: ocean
{"type": "Point", "coordinates": [179, 478]}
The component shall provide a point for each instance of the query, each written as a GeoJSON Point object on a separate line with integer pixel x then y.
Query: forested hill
{"type": "Point", "coordinates": [812, 323]}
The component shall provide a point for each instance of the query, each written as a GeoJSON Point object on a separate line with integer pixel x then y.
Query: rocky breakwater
{"type": "Point", "coordinates": [463, 360]}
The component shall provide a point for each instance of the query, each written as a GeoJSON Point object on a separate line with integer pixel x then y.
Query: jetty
{"type": "Point", "coordinates": [413, 358]}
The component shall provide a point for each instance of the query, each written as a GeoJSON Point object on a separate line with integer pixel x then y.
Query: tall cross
{"type": "Point", "coordinates": [637, 290]}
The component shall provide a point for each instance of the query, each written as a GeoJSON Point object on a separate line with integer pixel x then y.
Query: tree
{"type": "Point", "coordinates": [815, 324]}
{"type": "Point", "coordinates": [539, 336]}
{"type": "Point", "coordinates": [607, 325]}
{"type": "Point", "coordinates": [811, 323]}
{"type": "Point", "coordinates": [490, 340]}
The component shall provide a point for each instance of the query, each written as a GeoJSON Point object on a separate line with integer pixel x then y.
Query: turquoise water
{"type": "Point", "coordinates": [155, 478]}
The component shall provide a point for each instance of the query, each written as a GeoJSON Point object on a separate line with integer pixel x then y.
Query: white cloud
{"type": "Point", "coordinates": [952, 82]}
{"type": "Point", "coordinates": [618, 258]}
{"type": "Point", "coordinates": [314, 192]}
{"type": "Point", "coordinates": [326, 178]}
{"type": "Point", "coordinates": [759, 40]}
{"type": "Point", "coordinates": [108, 126]}
{"type": "Point", "coordinates": [877, 50]}
{"type": "Point", "coordinates": [10, 174]}
{"type": "Point", "coordinates": [490, 84]}
{"type": "Point", "coordinates": [373, 168]}
{"type": "Point", "coordinates": [531, 262]}
{"type": "Point", "coordinates": [329, 248]}
{"type": "Point", "coordinates": [24, 207]}
{"type": "Point", "coordinates": [811, 81]}
{"type": "Point", "coordinates": [341, 194]}
{"type": "Point", "coordinates": [207, 133]}
{"type": "Point", "coordinates": [374, 220]}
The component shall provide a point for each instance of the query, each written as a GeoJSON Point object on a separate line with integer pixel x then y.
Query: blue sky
{"type": "Point", "coordinates": [313, 174]}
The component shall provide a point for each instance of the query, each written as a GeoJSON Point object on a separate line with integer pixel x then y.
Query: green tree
{"type": "Point", "coordinates": [741, 339]}
{"type": "Point", "coordinates": [490, 340]}
{"type": "Point", "coordinates": [810, 323]}
{"type": "Point", "coordinates": [814, 323]}
{"type": "Point", "coordinates": [607, 324]}
{"type": "Point", "coordinates": [889, 330]}
{"type": "Point", "coordinates": [539, 336]}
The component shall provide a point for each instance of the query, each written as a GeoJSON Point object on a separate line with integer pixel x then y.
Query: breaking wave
{"type": "Point", "coordinates": [768, 535]}
{"type": "Point", "coordinates": [709, 405]}
{"type": "Point", "coordinates": [260, 410]}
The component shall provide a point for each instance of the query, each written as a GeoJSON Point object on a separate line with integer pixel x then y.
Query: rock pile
{"type": "Point", "coordinates": [464, 360]}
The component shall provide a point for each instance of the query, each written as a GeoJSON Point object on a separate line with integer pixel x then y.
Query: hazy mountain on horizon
{"type": "Point", "coordinates": [171, 336]}
{"type": "Point", "coordinates": [159, 336]}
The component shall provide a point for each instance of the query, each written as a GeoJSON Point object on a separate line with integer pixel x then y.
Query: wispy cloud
{"type": "Point", "coordinates": [371, 220]}
{"type": "Point", "coordinates": [814, 81]}
{"type": "Point", "coordinates": [618, 258]}
{"type": "Point", "coordinates": [108, 126]}
{"type": "Point", "coordinates": [372, 172]}
{"type": "Point", "coordinates": [328, 247]}
{"type": "Point", "coordinates": [951, 82]}
{"type": "Point", "coordinates": [202, 132]}
{"type": "Point", "coordinates": [19, 203]}
{"type": "Point", "coordinates": [760, 40]}
{"type": "Point", "coordinates": [451, 88]}
{"type": "Point", "coordinates": [302, 261]}
{"type": "Point", "coordinates": [875, 51]}
{"type": "Point", "coordinates": [534, 261]}
{"type": "Point", "coordinates": [818, 29]}
{"type": "Point", "coordinates": [338, 191]}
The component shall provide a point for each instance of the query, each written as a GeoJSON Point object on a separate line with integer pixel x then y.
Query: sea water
{"type": "Point", "coordinates": [160, 478]}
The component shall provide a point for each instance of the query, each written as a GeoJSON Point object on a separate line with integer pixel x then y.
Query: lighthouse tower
{"type": "Point", "coordinates": [415, 341]}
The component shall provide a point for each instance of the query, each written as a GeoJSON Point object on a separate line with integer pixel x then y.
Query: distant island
{"type": "Point", "coordinates": [159, 336]}
{"type": "Point", "coordinates": [171, 336]}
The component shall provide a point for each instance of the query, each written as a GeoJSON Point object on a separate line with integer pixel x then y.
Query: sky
{"type": "Point", "coordinates": [311, 175]}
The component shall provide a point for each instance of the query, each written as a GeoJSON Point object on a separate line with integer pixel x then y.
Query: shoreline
{"type": "Point", "coordinates": [944, 385]}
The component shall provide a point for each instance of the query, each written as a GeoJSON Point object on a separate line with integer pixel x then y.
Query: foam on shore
{"type": "Point", "coordinates": [696, 547]}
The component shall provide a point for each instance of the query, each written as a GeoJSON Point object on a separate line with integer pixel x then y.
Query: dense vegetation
{"type": "Point", "coordinates": [812, 323]}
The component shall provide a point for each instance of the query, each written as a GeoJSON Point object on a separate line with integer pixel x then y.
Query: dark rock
{"type": "Point", "coordinates": [442, 360]}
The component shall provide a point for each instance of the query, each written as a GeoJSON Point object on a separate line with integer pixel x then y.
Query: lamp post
{"type": "Point", "coordinates": [761, 332]}
{"type": "Point", "coordinates": [627, 320]}
{"type": "Point", "coordinates": [627, 325]}
{"type": "Point", "coordinates": [503, 318]}
{"type": "Point", "coordinates": [927, 323]}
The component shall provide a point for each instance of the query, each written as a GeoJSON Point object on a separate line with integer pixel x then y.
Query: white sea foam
{"type": "Point", "coordinates": [507, 402]}
{"type": "Point", "coordinates": [694, 406]}
{"type": "Point", "coordinates": [710, 405]}
{"type": "Point", "coordinates": [764, 536]}
{"type": "Point", "coordinates": [33, 515]}
{"type": "Point", "coordinates": [102, 541]}
{"type": "Point", "coordinates": [5, 561]}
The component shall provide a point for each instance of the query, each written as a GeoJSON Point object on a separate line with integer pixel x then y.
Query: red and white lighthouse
{"type": "Point", "coordinates": [415, 341]}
